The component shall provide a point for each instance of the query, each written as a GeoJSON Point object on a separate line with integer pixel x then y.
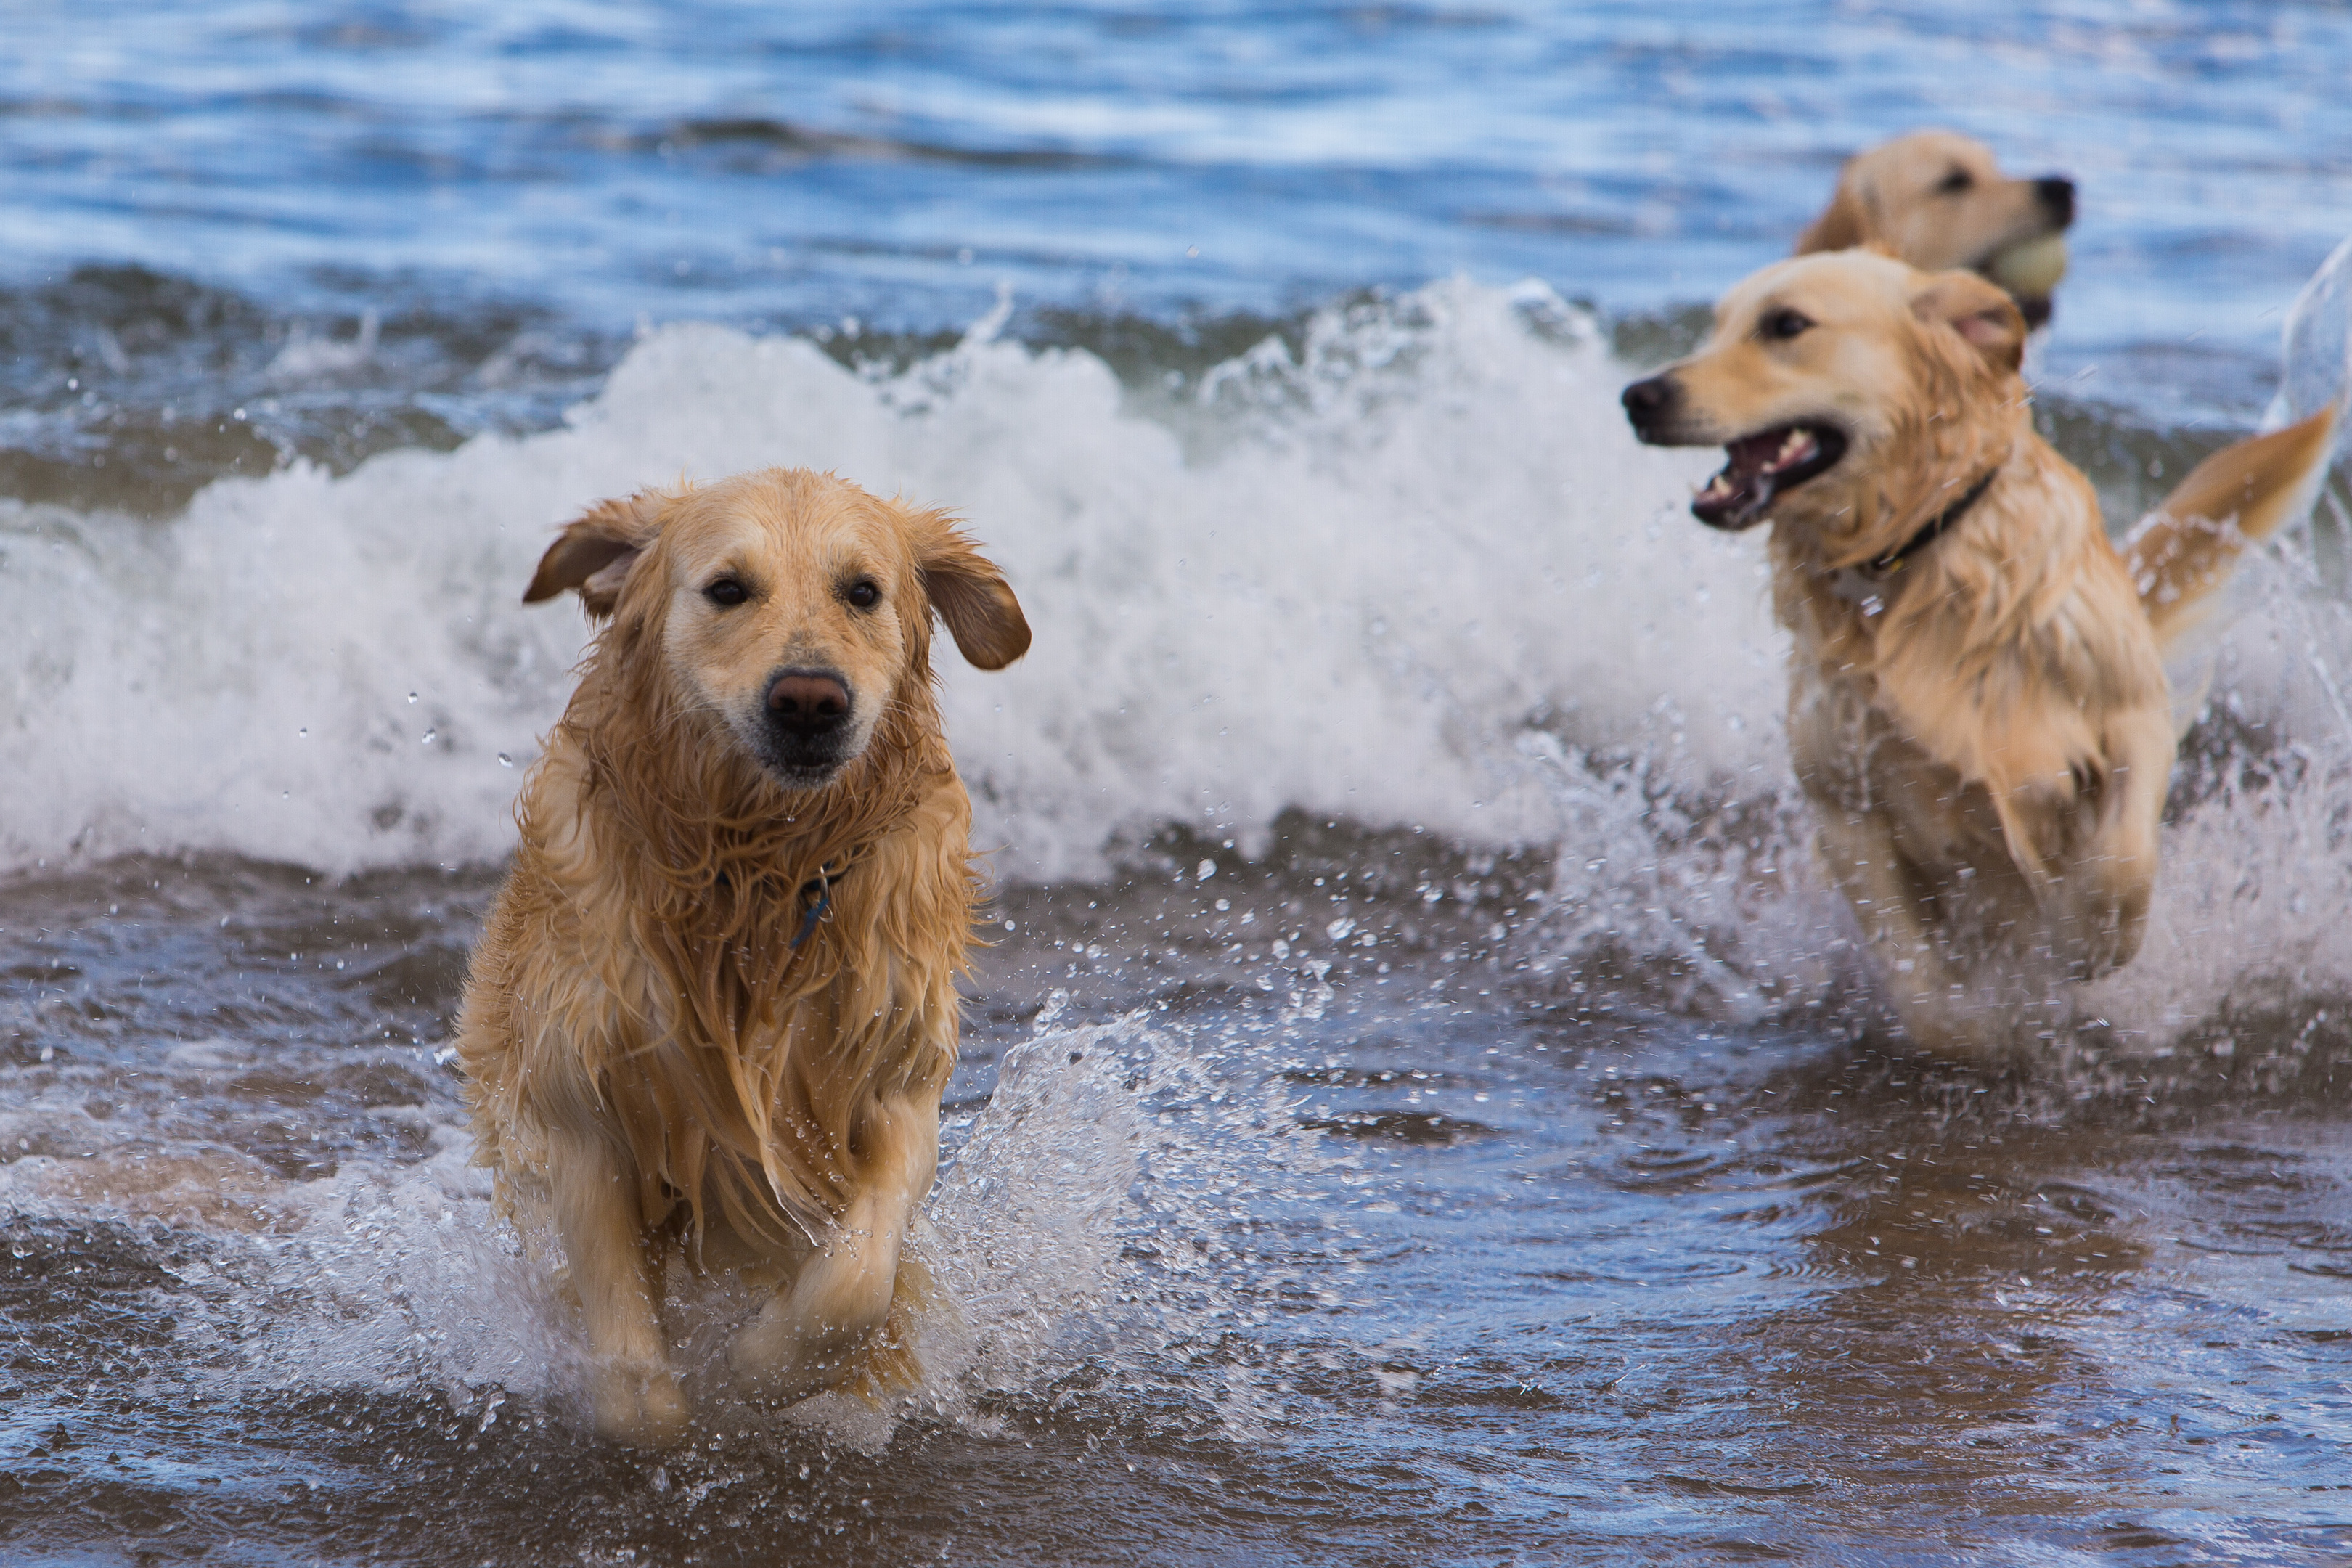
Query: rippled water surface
{"type": "Point", "coordinates": [1420, 1104]}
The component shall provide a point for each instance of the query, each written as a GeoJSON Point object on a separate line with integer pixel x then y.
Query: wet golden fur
{"type": "Point", "coordinates": [1984, 731]}
{"type": "Point", "coordinates": [1903, 195]}
{"type": "Point", "coordinates": [650, 1057]}
{"type": "Point", "coordinates": [1986, 738]}
{"type": "Point", "coordinates": [1936, 200]}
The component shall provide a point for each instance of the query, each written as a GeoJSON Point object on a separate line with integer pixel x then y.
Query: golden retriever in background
{"type": "Point", "coordinates": [1978, 706]}
{"type": "Point", "coordinates": [1938, 200]}
{"type": "Point", "coordinates": [715, 1005]}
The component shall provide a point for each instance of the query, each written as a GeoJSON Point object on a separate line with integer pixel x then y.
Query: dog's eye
{"type": "Point", "coordinates": [726, 592]}
{"type": "Point", "coordinates": [1786, 323]}
{"type": "Point", "coordinates": [863, 595]}
{"type": "Point", "coordinates": [1953, 184]}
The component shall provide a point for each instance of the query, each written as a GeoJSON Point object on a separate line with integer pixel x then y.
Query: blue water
{"type": "Point", "coordinates": [1417, 1108]}
{"type": "Point", "coordinates": [897, 163]}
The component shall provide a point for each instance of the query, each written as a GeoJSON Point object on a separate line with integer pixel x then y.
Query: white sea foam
{"type": "Point", "coordinates": [1413, 572]}
{"type": "Point", "coordinates": [310, 356]}
{"type": "Point", "coordinates": [1401, 543]}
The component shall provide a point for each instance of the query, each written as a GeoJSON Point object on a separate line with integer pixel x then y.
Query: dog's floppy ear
{"type": "Point", "coordinates": [595, 552]}
{"type": "Point", "coordinates": [1843, 223]}
{"type": "Point", "coordinates": [1979, 311]}
{"type": "Point", "coordinates": [969, 593]}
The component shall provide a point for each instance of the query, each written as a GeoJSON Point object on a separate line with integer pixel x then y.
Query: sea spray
{"type": "Point", "coordinates": [1430, 525]}
{"type": "Point", "coordinates": [1406, 568]}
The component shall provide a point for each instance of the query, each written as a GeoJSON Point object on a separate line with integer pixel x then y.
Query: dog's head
{"type": "Point", "coordinates": [1851, 394]}
{"type": "Point", "coordinates": [1939, 201]}
{"type": "Point", "coordinates": [791, 606]}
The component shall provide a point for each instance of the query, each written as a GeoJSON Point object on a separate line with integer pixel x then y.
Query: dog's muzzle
{"type": "Point", "coordinates": [809, 725]}
{"type": "Point", "coordinates": [1652, 405]}
{"type": "Point", "coordinates": [2056, 195]}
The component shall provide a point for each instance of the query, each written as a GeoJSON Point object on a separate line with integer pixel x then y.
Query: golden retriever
{"type": "Point", "coordinates": [1938, 200]}
{"type": "Point", "coordinates": [1978, 705]}
{"type": "Point", "coordinates": [715, 1006]}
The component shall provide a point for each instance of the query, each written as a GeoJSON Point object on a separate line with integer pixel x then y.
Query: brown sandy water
{"type": "Point", "coordinates": [1382, 1252]}
{"type": "Point", "coordinates": [1325, 1183]}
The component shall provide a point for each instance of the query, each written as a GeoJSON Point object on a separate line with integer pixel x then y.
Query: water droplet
{"type": "Point", "coordinates": [1206, 869]}
{"type": "Point", "coordinates": [505, 761]}
{"type": "Point", "coordinates": [428, 736]}
{"type": "Point", "coordinates": [412, 696]}
{"type": "Point", "coordinates": [304, 731]}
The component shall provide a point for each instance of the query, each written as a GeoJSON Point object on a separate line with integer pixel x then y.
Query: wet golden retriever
{"type": "Point", "coordinates": [1978, 706]}
{"type": "Point", "coordinates": [715, 1005]}
{"type": "Point", "coordinates": [1938, 200]}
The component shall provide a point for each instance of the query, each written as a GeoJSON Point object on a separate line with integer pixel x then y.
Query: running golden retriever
{"type": "Point", "coordinates": [1978, 706]}
{"type": "Point", "coordinates": [715, 1005]}
{"type": "Point", "coordinates": [1938, 200]}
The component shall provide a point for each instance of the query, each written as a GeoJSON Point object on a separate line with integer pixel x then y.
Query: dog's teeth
{"type": "Point", "coordinates": [1718, 486]}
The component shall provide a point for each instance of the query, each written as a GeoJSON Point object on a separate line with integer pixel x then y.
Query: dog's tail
{"type": "Point", "coordinates": [2240, 495]}
{"type": "Point", "coordinates": [2244, 493]}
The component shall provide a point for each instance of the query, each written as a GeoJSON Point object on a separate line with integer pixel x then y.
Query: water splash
{"type": "Point", "coordinates": [2316, 347]}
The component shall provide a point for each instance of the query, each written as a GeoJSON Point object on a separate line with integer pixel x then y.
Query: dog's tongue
{"type": "Point", "coordinates": [1761, 455]}
{"type": "Point", "coordinates": [1738, 495]}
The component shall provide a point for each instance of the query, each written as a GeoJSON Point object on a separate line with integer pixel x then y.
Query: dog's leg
{"type": "Point", "coordinates": [807, 1339]}
{"type": "Point", "coordinates": [637, 1398]}
{"type": "Point", "coordinates": [2098, 904]}
{"type": "Point", "coordinates": [1934, 997]}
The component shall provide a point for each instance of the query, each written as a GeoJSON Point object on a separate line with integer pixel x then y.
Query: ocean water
{"type": "Point", "coordinates": [1421, 1104]}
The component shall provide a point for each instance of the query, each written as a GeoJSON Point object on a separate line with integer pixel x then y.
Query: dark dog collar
{"type": "Point", "coordinates": [1861, 583]}
{"type": "Point", "coordinates": [818, 891]}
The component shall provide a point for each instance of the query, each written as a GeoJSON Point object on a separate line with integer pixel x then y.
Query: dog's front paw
{"type": "Point", "coordinates": [771, 1357]}
{"type": "Point", "coordinates": [639, 1404]}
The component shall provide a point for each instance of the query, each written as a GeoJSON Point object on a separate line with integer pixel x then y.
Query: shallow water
{"type": "Point", "coordinates": [1419, 1105]}
{"type": "Point", "coordinates": [1380, 1252]}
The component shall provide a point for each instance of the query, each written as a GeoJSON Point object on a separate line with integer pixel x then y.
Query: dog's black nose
{"type": "Point", "coordinates": [1646, 402]}
{"type": "Point", "coordinates": [2057, 198]}
{"type": "Point", "coordinates": [807, 700]}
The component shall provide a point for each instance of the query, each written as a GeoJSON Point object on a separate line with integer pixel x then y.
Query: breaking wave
{"type": "Point", "coordinates": [1404, 566]}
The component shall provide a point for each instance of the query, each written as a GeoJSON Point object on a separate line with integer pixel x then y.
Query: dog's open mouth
{"type": "Point", "coordinates": [1767, 464]}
